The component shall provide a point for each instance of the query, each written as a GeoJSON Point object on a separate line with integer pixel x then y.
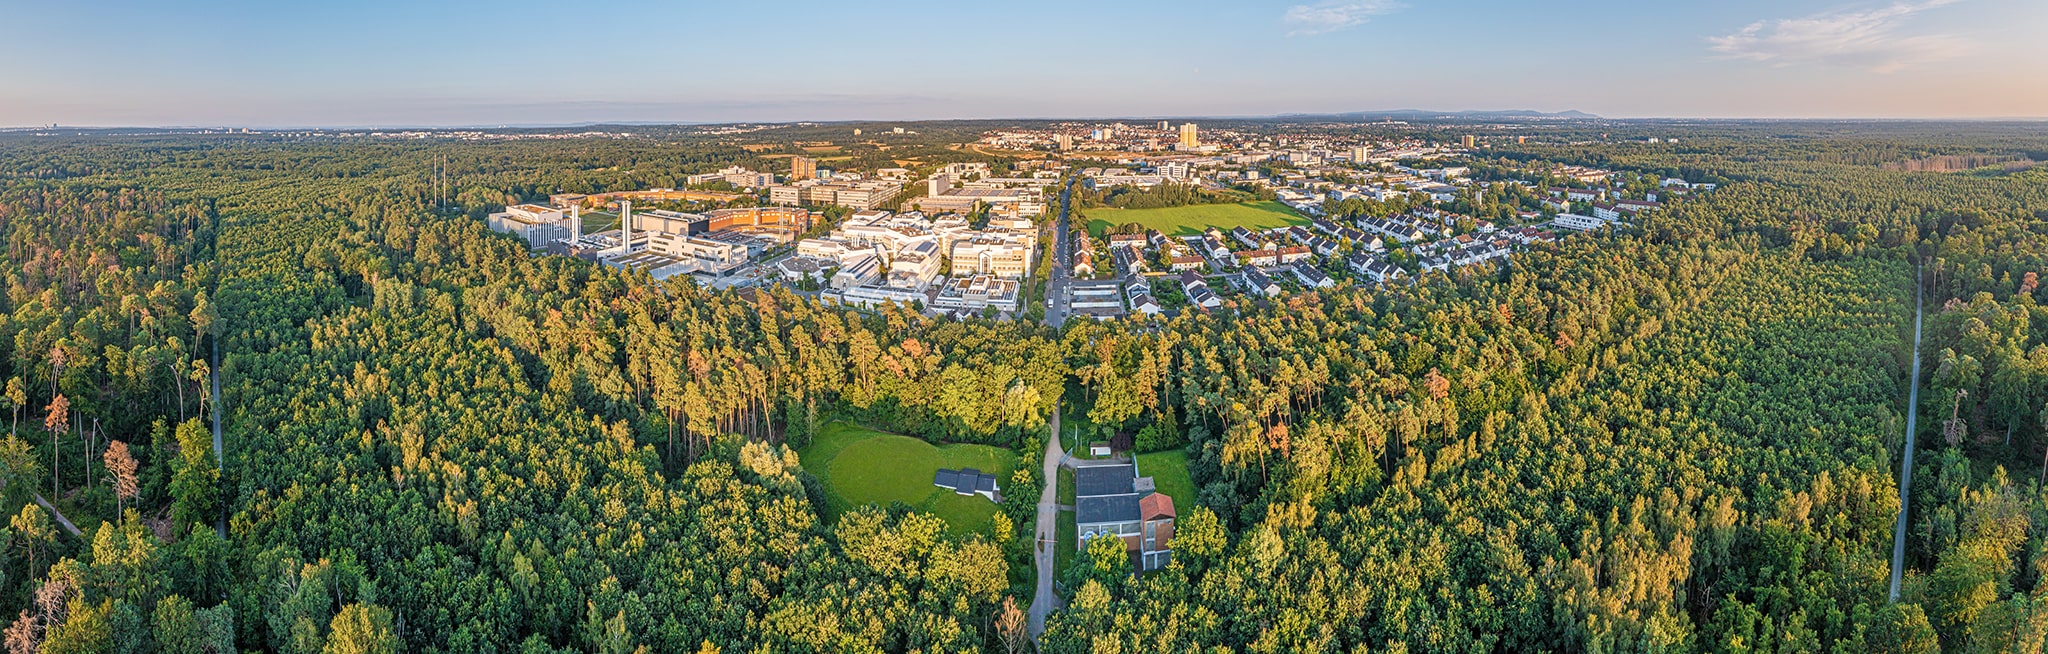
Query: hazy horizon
{"type": "Point", "coordinates": [229, 63]}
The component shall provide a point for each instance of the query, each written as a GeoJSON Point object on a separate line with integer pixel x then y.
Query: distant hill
{"type": "Point", "coordinates": [1422, 114]}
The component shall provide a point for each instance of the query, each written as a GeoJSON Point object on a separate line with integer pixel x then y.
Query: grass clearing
{"type": "Point", "coordinates": [862, 466]}
{"type": "Point", "coordinates": [1192, 219]}
{"type": "Point", "coordinates": [599, 221]}
{"type": "Point", "coordinates": [1066, 534]}
{"type": "Point", "coordinates": [1169, 473]}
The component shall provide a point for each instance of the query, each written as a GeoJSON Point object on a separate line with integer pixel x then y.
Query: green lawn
{"type": "Point", "coordinates": [1169, 473]}
{"type": "Point", "coordinates": [862, 466]}
{"type": "Point", "coordinates": [1065, 494]}
{"type": "Point", "coordinates": [1063, 555]}
{"type": "Point", "coordinates": [599, 221]}
{"type": "Point", "coordinates": [1192, 219]}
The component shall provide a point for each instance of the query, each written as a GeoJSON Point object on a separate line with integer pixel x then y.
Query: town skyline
{"type": "Point", "coordinates": [464, 65]}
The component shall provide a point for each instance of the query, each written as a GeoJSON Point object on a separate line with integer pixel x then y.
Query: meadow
{"type": "Point", "coordinates": [861, 466]}
{"type": "Point", "coordinates": [1192, 219]}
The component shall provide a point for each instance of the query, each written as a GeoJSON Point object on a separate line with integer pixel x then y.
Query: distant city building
{"type": "Point", "coordinates": [801, 168]}
{"type": "Point", "coordinates": [1189, 137]}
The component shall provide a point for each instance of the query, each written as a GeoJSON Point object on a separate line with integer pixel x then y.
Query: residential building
{"type": "Point", "coordinates": [1128, 259]}
{"type": "Point", "coordinates": [802, 168]}
{"type": "Point", "coordinates": [1313, 278]}
{"type": "Point", "coordinates": [1261, 257]}
{"type": "Point", "coordinates": [1257, 281]}
{"type": "Point", "coordinates": [1248, 238]}
{"type": "Point", "coordinates": [1111, 501]}
{"type": "Point", "coordinates": [1215, 248]}
{"type": "Point", "coordinates": [969, 482]}
{"type": "Point", "coordinates": [1577, 222]}
{"type": "Point", "coordinates": [1376, 268]}
{"type": "Point", "coordinates": [1605, 211]}
{"type": "Point", "coordinates": [1138, 292]}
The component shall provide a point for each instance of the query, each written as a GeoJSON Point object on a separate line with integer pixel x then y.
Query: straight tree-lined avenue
{"type": "Point", "coordinates": [1912, 432]}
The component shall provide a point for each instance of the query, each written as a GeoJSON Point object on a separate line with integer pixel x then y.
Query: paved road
{"type": "Point", "coordinates": [1912, 425]}
{"type": "Point", "coordinates": [1047, 534]}
{"type": "Point", "coordinates": [1056, 283]}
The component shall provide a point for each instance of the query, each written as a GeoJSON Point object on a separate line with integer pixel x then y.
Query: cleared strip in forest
{"type": "Point", "coordinates": [1912, 425]}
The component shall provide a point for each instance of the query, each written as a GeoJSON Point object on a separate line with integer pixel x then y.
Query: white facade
{"type": "Point", "coordinates": [1577, 222]}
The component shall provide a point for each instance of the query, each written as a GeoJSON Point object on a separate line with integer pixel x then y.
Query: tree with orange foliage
{"type": "Point", "coordinates": [1439, 388]}
{"type": "Point", "coordinates": [121, 469]}
{"type": "Point", "coordinates": [1010, 625]}
{"type": "Point", "coordinates": [57, 419]}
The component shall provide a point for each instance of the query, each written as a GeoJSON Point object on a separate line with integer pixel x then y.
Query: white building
{"type": "Point", "coordinates": [539, 225]}
{"type": "Point", "coordinates": [859, 272]}
{"type": "Point", "coordinates": [1577, 222]}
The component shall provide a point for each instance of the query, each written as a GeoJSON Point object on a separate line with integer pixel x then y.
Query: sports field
{"type": "Point", "coordinates": [1192, 219]}
{"type": "Point", "coordinates": [862, 466]}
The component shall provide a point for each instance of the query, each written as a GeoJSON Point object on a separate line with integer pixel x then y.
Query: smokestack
{"type": "Point", "coordinates": [575, 224]}
{"type": "Point", "coordinates": [626, 226]}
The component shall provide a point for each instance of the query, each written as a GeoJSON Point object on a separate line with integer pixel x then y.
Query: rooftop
{"type": "Point", "coordinates": [1104, 480]}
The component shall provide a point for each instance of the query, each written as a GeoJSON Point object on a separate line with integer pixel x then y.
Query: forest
{"type": "Point", "coordinates": [1684, 436]}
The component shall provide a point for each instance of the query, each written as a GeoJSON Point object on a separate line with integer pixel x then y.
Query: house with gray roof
{"type": "Point", "coordinates": [1113, 501]}
{"type": "Point", "coordinates": [968, 481]}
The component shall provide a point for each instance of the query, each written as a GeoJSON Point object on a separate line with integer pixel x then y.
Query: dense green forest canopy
{"type": "Point", "coordinates": [1682, 436]}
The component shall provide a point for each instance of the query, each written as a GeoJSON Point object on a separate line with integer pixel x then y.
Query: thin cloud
{"type": "Point", "coordinates": [1868, 39]}
{"type": "Point", "coordinates": [1334, 15]}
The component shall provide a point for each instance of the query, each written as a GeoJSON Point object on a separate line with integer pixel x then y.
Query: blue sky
{"type": "Point", "coordinates": [425, 62]}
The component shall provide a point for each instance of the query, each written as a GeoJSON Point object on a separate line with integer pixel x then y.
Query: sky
{"type": "Point", "coordinates": [389, 63]}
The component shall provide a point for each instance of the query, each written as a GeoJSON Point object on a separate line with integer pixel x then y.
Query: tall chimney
{"type": "Point", "coordinates": [626, 226]}
{"type": "Point", "coordinates": [575, 224]}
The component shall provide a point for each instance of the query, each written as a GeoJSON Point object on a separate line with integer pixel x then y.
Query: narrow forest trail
{"type": "Point", "coordinates": [213, 379]}
{"type": "Point", "coordinates": [59, 515]}
{"type": "Point", "coordinates": [1912, 426]}
{"type": "Point", "coordinates": [1046, 536]}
